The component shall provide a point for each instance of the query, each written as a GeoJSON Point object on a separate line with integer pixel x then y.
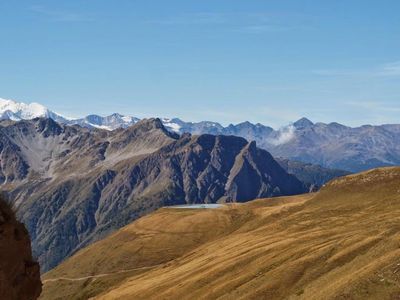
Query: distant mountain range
{"type": "Point", "coordinates": [329, 145]}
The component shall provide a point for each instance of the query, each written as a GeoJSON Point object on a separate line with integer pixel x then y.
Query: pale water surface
{"type": "Point", "coordinates": [197, 206]}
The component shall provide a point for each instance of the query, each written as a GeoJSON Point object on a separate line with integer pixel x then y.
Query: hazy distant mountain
{"type": "Point", "coordinates": [337, 146]}
{"type": "Point", "coordinates": [72, 184]}
{"type": "Point", "coordinates": [329, 145]}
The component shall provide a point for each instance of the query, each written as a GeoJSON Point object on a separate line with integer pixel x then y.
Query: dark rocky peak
{"type": "Point", "coordinates": [303, 123]}
{"type": "Point", "coordinates": [231, 141]}
{"type": "Point", "coordinates": [47, 126]}
{"type": "Point", "coordinates": [256, 174]}
{"type": "Point", "coordinates": [222, 142]}
{"type": "Point", "coordinates": [206, 141]}
{"type": "Point", "coordinates": [220, 145]}
{"type": "Point", "coordinates": [152, 124]}
{"type": "Point", "coordinates": [145, 135]}
{"type": "Point", "coordinates": [149, 124]}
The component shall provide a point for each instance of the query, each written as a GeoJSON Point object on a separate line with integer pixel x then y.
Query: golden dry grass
{"type": "Point", "coordinates": [341, 243]}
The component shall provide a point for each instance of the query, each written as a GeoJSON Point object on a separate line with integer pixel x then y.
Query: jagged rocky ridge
{"type": "Point", "coordinates": [332, 145]}
{"type": "Point", "coordinates": [73, 185]}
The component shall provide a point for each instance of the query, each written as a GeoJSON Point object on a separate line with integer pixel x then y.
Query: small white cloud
{"type": "Point", "coordinates": [283, 136]}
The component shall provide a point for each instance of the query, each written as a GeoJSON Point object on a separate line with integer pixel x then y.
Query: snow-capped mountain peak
{"type": "Point", "coordinates": [18, 110]}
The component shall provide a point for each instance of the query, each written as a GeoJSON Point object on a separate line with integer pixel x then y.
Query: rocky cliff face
{"type": "Point", "coordinates": [73, 185]}
{"type": "Point", "coordinates": [19, 273]}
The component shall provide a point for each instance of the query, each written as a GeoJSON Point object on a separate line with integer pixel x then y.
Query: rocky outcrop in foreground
{"type": "Point", "coordinates": [19, 273]}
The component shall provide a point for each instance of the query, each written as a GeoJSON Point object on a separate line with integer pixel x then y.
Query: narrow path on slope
{"type": "Point", "coordinates": [99, 275]}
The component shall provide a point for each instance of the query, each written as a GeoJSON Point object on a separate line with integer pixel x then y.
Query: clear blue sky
{"type": "Point", "coordinates": [224, 60]}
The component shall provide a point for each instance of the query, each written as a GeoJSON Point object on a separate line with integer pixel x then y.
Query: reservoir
{"type": "Point", "coordinates": [198, 206]}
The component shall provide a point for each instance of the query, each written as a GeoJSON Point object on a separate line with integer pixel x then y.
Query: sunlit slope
{"type": "Point", "coordinates": [150, 241]}
{"type": "Point", "coordinates": [342, 243]}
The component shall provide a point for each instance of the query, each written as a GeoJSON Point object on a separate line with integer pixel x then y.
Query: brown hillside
{"type": "Point", "coordinates": [341, 243]}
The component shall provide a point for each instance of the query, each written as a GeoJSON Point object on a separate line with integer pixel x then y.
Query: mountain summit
{"type": "Point", "coordinates": [16, 111]}
{"type": "Point", "coordinates": [303, 123]}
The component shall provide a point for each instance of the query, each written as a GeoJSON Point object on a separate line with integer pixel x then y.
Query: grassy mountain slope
{"type": "Point", "coordinates": [340, 243]}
